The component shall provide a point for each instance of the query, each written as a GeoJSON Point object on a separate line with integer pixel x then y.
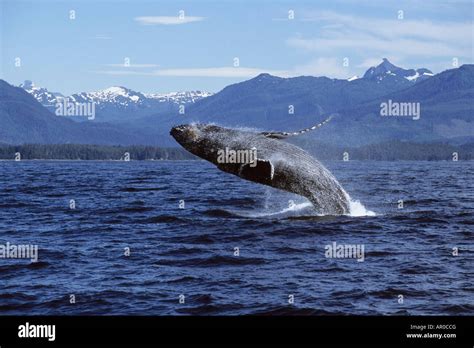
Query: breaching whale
{"type": "Point", "coordinates": [276, 163]}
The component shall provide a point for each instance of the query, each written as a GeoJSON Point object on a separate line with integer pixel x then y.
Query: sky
{"type": "Point", "coordinates": [165, 46]}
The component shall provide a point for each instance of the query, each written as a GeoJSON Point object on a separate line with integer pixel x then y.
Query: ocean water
{"type": "Point", "coordinates": [182, 222]}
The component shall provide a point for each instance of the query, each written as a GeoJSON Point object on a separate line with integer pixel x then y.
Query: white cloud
{"type": "Point", "coordinates": [102, 37]}
{"type": "Point", "coordinates": [216, 72]}
{"type": "Point", "coordinates": [122, 65]}
{"type": "Point", "coordinates": [120, 72]}
{"type": "Point", "coordinates": [388, 37]}
{"type": "Point", "coordinates": [323, 66]}
{"type": "Point", "coordinates": [238, 72]}
{"type": "Point", "coordinates": [167, 20]}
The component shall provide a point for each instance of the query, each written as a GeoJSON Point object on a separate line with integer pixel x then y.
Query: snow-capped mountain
{"type": "Point", "coordinates": [124, 97]}
{"type": "Point", "coordinates": [262, 103]}
{"type": "Point", "coordinates": [41, 94]}
{"type": "Point", "coordinates": [180, 97]}
{"type": "Point", "coordinates": [117, 96]}
{"type": "Point", "coordinates": [388, 70]}
{"type": "Point", "coordinates": [118, 103]}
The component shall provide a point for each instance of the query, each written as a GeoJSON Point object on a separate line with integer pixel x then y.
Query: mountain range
{"type": "Point", "coordinates": [387, 70]}
{"type": "Point", "coordinates": [117, 103]}
{"type": "Point", "coordinates": [264, 102]}
{"type": "Point", "coordinates": [446, 102]}
{"type": "Point", "coordinates": [24, 120]}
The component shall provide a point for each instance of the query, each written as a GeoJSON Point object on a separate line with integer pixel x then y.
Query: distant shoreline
{"type": "Point", "coordinates": [198, 159]}
{"type": "Point", "coordinates": [95, 160]}
{"type": "Point", "coordinates": [388, 151]}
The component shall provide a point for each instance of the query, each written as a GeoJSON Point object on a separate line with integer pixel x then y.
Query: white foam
{"type": "Point", "coordinates": [299, 206]}
{"type": "Point", "coordinates": [294, 207]}
{"type": "Point", "coordinates": [290, 209]}
{"type": "Point", "coordinates": [357, 209]}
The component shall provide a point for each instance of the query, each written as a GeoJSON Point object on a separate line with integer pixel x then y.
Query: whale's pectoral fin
{"type": "Point", "coordinates": [261, 171]}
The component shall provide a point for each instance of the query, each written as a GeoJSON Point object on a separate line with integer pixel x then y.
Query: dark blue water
{"type": "Point", "coordinates": [190, 251]}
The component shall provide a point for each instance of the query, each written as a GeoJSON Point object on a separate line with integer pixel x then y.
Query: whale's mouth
{"type": "Point", "coordinates": [177, 131]}
{"type": "Point", "coordinates": [184, 134]}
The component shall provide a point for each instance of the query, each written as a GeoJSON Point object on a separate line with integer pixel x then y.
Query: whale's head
{"type": "Point", "coordinates": [202, 140]}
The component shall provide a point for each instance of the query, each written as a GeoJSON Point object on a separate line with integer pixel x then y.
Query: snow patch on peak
{"type": "Point", "coordinates": [116, 99]}
{"type": "Point", "coordinates": [41, 94]}
{"type": "Point", "coordinates": [118, 90]}
{"type": "Point", "coordinates": [179, 97]}
{"type": "Point", "coordinates": [388, 70]}
{"type": "Point", "coordinates": [413, 77]}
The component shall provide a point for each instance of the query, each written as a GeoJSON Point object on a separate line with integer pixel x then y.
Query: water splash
{"type": "Point", "coordinates": [357, 209]}
{"type": "Point", "coordinates": [292, 210]}
{"type": "Point", "coordinates": [304, 208]}
{"type": "Point", "coordinates": [296, 206]}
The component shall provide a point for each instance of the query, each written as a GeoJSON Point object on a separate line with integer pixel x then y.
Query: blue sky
{"type": "Point", "coordinates": [196, 52]}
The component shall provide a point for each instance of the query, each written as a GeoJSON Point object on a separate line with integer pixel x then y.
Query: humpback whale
{"type": "Point", "coordinates": [275, 163]}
